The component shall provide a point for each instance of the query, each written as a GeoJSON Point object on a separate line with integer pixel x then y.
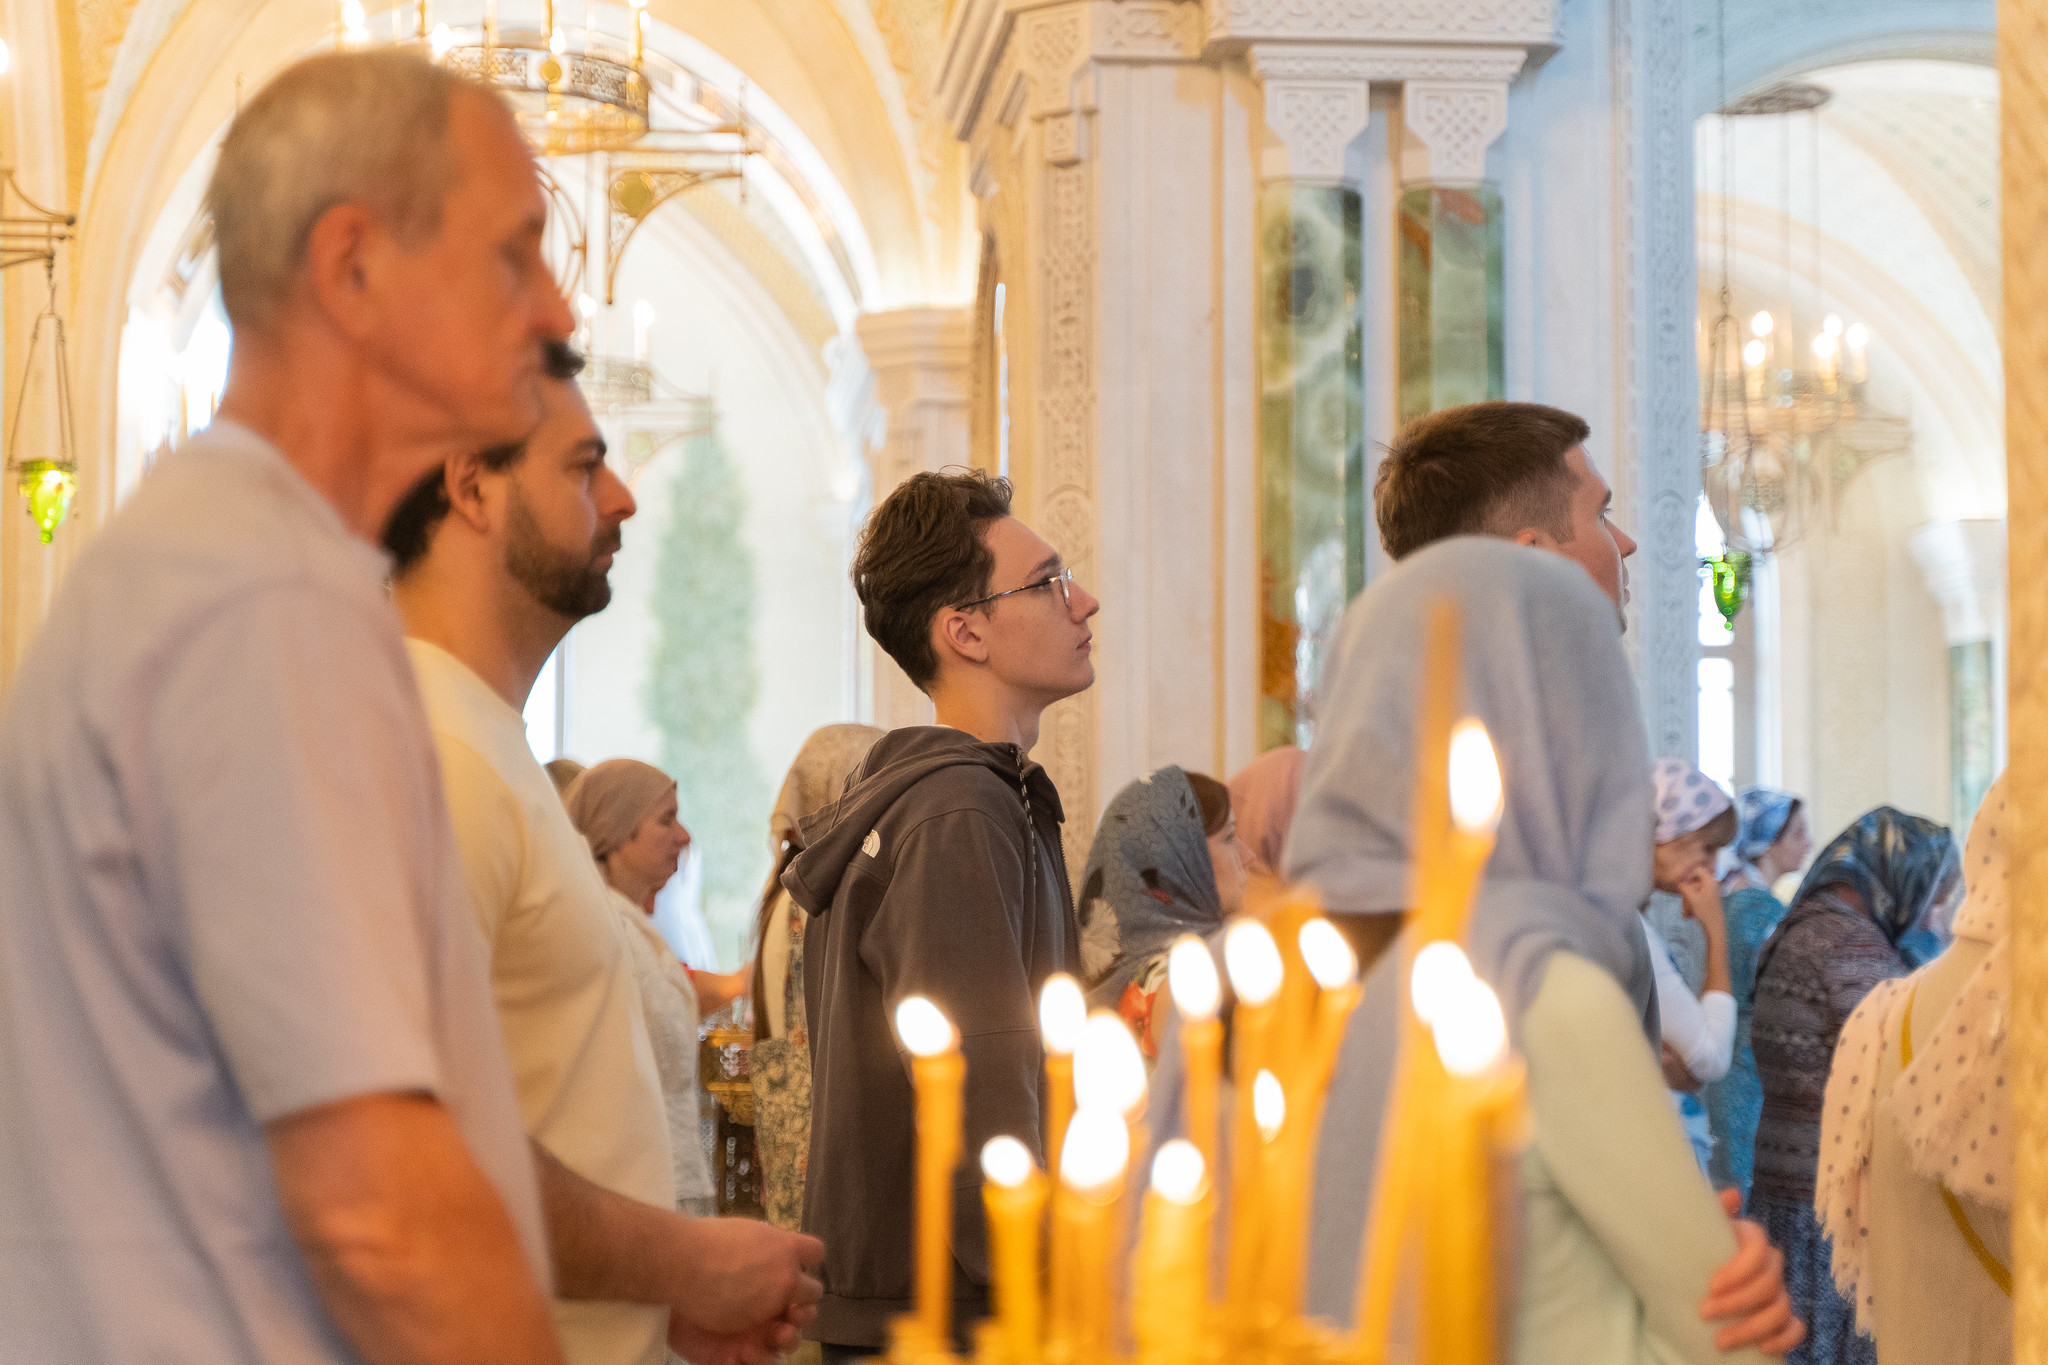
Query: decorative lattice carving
{"type": "Point", "coordinates": [1160, 30]}
{"type": "Point", "coordinates": [1471, 21]}
{"type": "Point", "coordinates": [1317, 120]}
{"type": "Point", "coordinates": [1457, 122]}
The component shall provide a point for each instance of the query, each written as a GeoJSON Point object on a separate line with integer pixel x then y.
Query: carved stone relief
{"type": "Point", "coordinates": [1474, 21]}
{"type": "Point", "coordinates": [1454, 122]}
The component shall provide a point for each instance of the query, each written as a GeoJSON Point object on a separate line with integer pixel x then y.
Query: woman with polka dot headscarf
{"type": "Point", "coordinates": [1916, 1141]}
{"type": "Point", "coordinates": [1887, 878]}
{"type": "Point", "coordinates": [1695, 821]}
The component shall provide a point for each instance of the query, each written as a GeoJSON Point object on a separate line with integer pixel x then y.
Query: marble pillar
{"type": "Point", "coordinates": [1312, 495]}
{"type": "Point", "coordinates": [1452, 276]}
{"type": "Point", "coordinates": [920, 359]}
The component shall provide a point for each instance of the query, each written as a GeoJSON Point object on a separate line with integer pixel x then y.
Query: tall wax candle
{"type": "Point", "coordinates": [1014, 1193]}
{"type": "Point", "coordinates": [1170, 1305]}
{"type": "Point", "coordinates": [1253, 961]}
{"type": "Point", "coordinates": [937, 1072]}
{"type": "Point", "coordinates": [1062, 1015]}
{"type": "Point", "coordinates": [1092, 1161]}
{"type": "Point", "coordinates": [1197, 991]}
{"type": "Point", "coordinates": [1470, 1039]}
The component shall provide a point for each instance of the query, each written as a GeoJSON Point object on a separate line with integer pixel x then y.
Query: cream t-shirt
{"type": "Point", "coordinates": [567, 1002]}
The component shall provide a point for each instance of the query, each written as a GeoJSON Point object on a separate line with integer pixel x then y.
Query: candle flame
{"type": "Point", "coordinates": [585, 304]}
{"type": "Point", "coordinates": [643, 314]}
{"type": "Point", "coordinates": [1858, 336]}
{"type": "Point", "coordinates": [1824, 346]}
{"type": "Point", "coordinates": [1753, 353]}
{"type": "Point", "coordinates": [1062, 1013]}
{"type": "Point", "coordinates": [1439, 978]}
{"type": "Point", "coordinates": [1832, 325]}
{"type": "Point", "coordinates": [1269, 1105]}
{"type": "Point", "coordinates": [1191, 974]}
{"type": "Point", "coordinates": [1096, 1147]}
{"type": "Point", "coordinates": [923, 1027]}
{"type": "Point", "coordinates": [1472, 1036]}
{"type": "Point", "coordinates": [1178, 1172]}
{"type": "Point", "coordinates": [1475, 779]}
{"type": "Point", "coordinates": [1253, 960]}
{"type": "Point", "coordinates": [1330, 959]}
{"type": "Point", "coordinates": [1006, 1162]}
{"type": "Point", "coordinates": [1109, 1071]}
{"type": "Point", "coordinates": [1762, 324]}
{"type": "Point", "coordinates": [442, 40]}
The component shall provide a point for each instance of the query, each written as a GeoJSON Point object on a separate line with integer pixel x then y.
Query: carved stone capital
{"type": "Point", "coordinates": [1447, 127]}
{"type": "Point", "coordinates": [1048, 47]}
{"type": "Point", "coordinates": [1506, 23]}
{"type": "Point", "coordinates": [1317, 101]}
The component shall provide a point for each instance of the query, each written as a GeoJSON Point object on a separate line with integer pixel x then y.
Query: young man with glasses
{"type": "Point", "coordinates": [937, 873]}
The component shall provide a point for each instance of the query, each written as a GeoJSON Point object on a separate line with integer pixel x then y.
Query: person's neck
{"type": "Point", "coordinates": [483, 618]}
{"type": "Point", "coordinates": [992, 715]}
{"type": "Point", "coordinates": [638, 890]}
{"type": "Point", "coordinates": [319, 403]}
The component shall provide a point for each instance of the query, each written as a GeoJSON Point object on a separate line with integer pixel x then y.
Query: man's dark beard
{"type": "Point", "coordinates": [565, 583]}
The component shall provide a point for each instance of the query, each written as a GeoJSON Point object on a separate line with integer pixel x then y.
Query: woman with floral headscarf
{"type": "Point", "coordinates": [1165, 862]}
{"type": "Point", "coordinates": [1917, 1156]}
{"type": "Point", "coordinates": [1771, 843]}
{"type": "Point", "coordinates": [1888, 876]}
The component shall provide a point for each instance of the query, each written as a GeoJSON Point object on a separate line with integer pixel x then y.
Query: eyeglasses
{"type": "Point", "coordinates": [1063, 580]}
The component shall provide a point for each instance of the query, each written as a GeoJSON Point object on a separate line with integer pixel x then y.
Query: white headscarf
{"type": "Point", "coordinates": [1952, 1105]}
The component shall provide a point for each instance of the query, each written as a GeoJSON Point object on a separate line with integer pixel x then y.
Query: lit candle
{"type": "Point", "coordinates": [1475, 794]}
{"type": "Point", "coordinates": [1091, 1178]}
{"type": "Point", "coordinates": [638, 17]}
{"type": "Point", "coordinates": [1479, 1097]}
{"type": "Point", "coordinates": [1014, 1194]}
{"type": "Point", "coordinates": [1062, 1015]}
{"type": "Point", "coordinates": [421, 20]}
{"type": "Point", "coordinates": [1824, 349]}
{"type": "Point", "coordinates": [937, 1070]}
{"type": "Point", "coordinates": [1253, 961]}
{"type": "Point", "coordinates": [1191, 976]}
{"type": "Point", "coordinates": [1334, 968]}
{"type": "Point", "coordinates": [643, 331]}
{"type": "Point", "coordinates": [1171, 1302]}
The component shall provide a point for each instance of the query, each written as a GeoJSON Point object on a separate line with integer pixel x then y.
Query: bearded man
{"type": "Point", "coordinates": [497, 555]}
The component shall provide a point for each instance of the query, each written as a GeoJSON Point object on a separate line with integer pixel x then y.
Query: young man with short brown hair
{"type": "Point", "coordinates": [1517, 471]}
{"type": "Point", "coordinates": [938, 873]}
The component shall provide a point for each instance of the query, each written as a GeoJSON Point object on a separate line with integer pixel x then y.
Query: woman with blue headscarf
{"type": "Point", "coordinates": [1888, 877]}
{"type": "Point", "coordinates": [1771, 842]}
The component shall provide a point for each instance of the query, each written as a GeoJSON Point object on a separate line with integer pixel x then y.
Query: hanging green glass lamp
{"type": "Point", "coordinates": [46, 471]}
{"type": "Point", "coordinates": [1728, 578]}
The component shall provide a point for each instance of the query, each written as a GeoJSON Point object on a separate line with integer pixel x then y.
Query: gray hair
{"type": "Point", "coordinates": [345, 127]}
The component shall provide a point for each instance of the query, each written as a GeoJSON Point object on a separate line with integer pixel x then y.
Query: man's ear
{"type": "Point", "coordinates": [340, 257]}
{"type": "Point", "coordinates": [462, 477]}
{"type": "Point", "coordinates": [959, 633]}
{"type": "Point", "coordinates": [1535, 538]}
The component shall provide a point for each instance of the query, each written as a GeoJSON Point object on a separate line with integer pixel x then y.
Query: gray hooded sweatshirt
{"type": "Point", "coordinates": [938, 873]}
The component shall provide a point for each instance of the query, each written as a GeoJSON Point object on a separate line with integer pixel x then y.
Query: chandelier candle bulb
{"type": "Point", "coordinates": [937, 1071]}
{"type": "Point", "coordinates": [1197, 991]}
{"type": "Point", "coordinates": [1171, 1300]}
{"type": "Point", "coordinates": [1014, 1194]}
{"type": "Point", "coordinates": [1253, 961]}
{"type": "Point", "coordinates": [1084, 1227]}
{"type": "Point", "coordinates": [1062, 1016]}
{"type": "Point", "coordinates": [1857, 338]}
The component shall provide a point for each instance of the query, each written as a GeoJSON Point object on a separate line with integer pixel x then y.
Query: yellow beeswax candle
{"type": "Point", "coordinates": [1062, 1014]}
{"type": "Point", "coordinates": [1171, 1303]}
{"type": "Point", "coordinates": [1014, 1193]}
{"type": "Point", "coordinates": [937, 1071]}
{"type": "Point", "coordinates": [1470, 1038]}
{"type": "Point", "coordinates": [1092, 1164]}
{"type": "Point", "coordinates": [1191, 975]}
{"type": "Point", "coordinates": [1253, 961]}
{"type": "Point", "coordinates": [1334, 967]}
{"type": "Point", "coordinates": [1475, 795]}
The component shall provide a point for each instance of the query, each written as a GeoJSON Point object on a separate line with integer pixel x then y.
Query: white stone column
{"type": "Point", "coordinates": [920, 360]}
{"type": "Point", "coordinates": [1964, 563]}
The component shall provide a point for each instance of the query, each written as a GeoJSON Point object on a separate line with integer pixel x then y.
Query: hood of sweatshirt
{"type": "Point", "coordinates": [895, 766]}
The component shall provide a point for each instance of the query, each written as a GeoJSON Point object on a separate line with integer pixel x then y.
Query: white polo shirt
{"type": "Point", "coordinates": [228, 894]}
{"type": "Point", "coordinates": [567, 1001]}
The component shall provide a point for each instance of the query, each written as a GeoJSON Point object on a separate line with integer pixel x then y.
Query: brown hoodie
{"type": "Point", "coordinates": [922, 880]}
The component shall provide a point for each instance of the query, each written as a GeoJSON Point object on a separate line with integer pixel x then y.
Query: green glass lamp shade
{"type": "Point", "coordinates": [1730, 573]}
{"type": "Point", "coordinates": [48, 486]}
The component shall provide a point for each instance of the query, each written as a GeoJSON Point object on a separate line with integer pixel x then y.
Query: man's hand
{"type": "Point", "coordinates": [743, 1275]}
{"type": "Point", "coordinates": [1676, 1074]}
{"type": "Point", "coordinates": [1748, 1293]}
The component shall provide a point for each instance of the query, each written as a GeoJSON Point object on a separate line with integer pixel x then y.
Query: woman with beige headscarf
{"type": "Point", "coordinates": [781, 1063]}
{"type": "Point", "coordinates": [626, 809]}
